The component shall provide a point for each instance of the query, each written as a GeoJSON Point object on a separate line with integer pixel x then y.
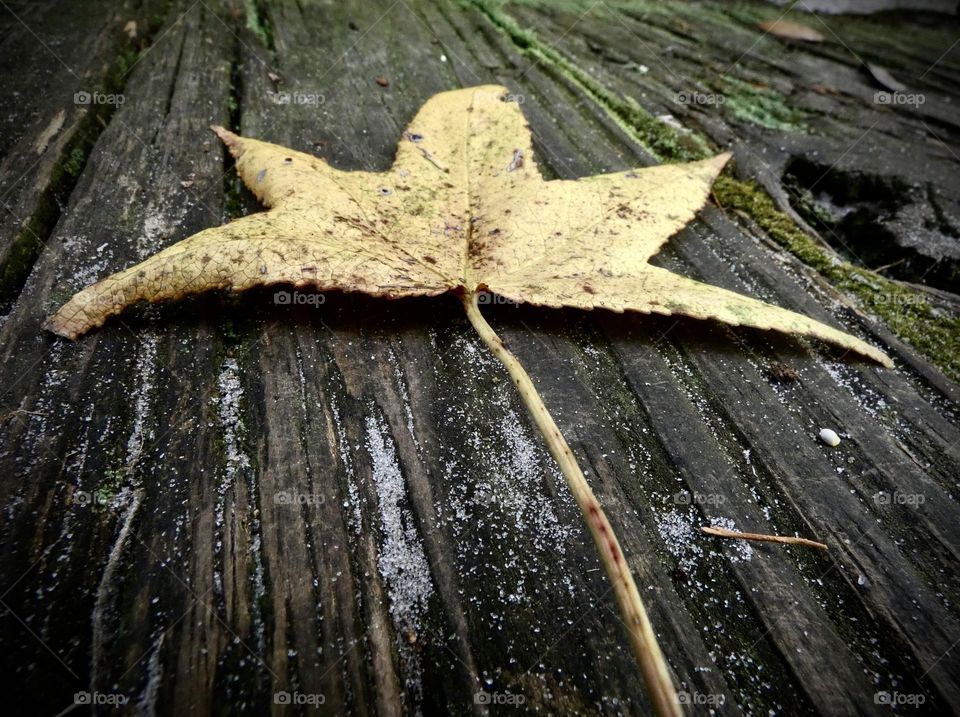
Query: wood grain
{"type": "Point", "coordinates": [211, 503]}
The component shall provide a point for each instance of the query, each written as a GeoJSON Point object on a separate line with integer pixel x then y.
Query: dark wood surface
{"type": "Point", "coordinates": [209, 503]}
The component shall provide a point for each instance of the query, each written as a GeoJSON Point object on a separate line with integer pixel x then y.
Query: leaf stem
{"type": "Point", "coordinates": [653, 666]}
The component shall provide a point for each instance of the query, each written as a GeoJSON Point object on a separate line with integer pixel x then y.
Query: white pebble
{"type": "Point", "coordinates": [829, 437]}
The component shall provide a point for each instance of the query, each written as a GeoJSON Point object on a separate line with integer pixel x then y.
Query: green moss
{"type": "Point", "coordinates": [24, 250]}
{"type": "Point", "coordinates": [761, 106]}
{"type": "Point", "coordinates": [906, 311]}
{"type": "Point", "coordinates": [75, 162]}
{"type": "Point", "coordinates": [235, 200]}
{"type": "Point", "coordinates": [122, 65]}
{"type": "Point", "coordinates": [657, 138]}
{"type": "Point", "coordinates": [109, 487]}
{"type": "Point", "coordinates": [30, 240]}
{"type": "Point", "coordinates": [257, 23]}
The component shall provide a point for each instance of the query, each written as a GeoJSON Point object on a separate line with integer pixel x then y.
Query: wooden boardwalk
{"type": "Point", "coordinates": [210, 505]}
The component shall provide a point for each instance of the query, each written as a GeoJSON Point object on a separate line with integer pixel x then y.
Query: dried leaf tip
{"type": "Point", "coordinates": [228, 138]}
{"type": "Point", "coordinates": [720, 161]}
{"type": "Point", "coordinates": [70, 325]}
{"type": "Point", "coordinates": [54, 326]}
{"type": "Point", "coordinates": [714, 165]}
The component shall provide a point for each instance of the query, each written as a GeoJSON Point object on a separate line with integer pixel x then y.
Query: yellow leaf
{"type": "Point", "coordinates": [463, 208]}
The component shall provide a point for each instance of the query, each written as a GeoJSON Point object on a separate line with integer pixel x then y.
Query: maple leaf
{"type": "Point", "coordinates": [464, 209]}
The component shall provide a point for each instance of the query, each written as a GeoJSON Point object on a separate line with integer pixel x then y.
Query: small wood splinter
{"type": "Point", "coordinates": [724, 533]}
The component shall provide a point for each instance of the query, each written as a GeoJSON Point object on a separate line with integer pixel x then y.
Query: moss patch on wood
{"type": "Point", "coordinates": [30, 241]}
{"type": "Point", "coordinates": [257, 23]}
{"type": "Point", "coordinates": [761, 106]}
{"type": "Point", "coordinates": [906, 311]}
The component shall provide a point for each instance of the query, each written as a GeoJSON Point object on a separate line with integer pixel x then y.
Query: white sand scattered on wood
{"type": "Point", "coordinates": [402, 560]}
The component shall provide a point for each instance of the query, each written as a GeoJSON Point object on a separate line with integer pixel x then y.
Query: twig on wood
{"type": "Point", "coordinates": [17, 412]}
{"type": "Point", "coordinates": [724, 533]}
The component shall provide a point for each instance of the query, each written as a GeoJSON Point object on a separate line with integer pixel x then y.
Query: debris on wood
{"type": "Point", "coordinates": [830, 437]}
{"type": "Point", "coordinates": [884, 77]}
{"type": "Point", "coordinates": [789, 30]}
{"type": "Point", "coordinates": [736, 534]}
{"type": "Point", "coordinates": [782, 373]}
{"type": "Point", "coordinates": [43, 139]}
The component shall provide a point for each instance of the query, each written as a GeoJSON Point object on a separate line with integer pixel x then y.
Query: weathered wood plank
{"type": "Point", "coordinates": [78, 58]}
{"type": "Point", "coordinates": [349, 502]}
